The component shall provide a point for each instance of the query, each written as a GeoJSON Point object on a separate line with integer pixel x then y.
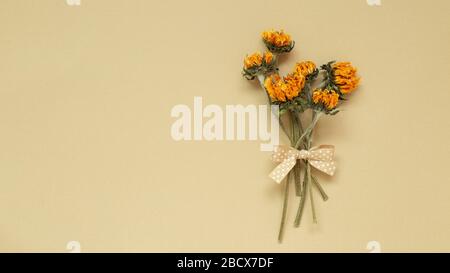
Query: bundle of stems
{"type": "Point", "coordinates": [300, 138]}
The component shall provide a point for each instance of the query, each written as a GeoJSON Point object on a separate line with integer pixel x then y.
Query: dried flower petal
{"type": "Point", "coordinates": [305, 68]}
{"type": "Point", "coordinates": [345, 77]}
{"type": "Point", "coordinates": [329, 99]}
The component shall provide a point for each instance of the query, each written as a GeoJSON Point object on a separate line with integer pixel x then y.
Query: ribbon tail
{"type": "Point", "coordinates": [280, 172]}
{"type": "Point", "coordinates": [327, 167]}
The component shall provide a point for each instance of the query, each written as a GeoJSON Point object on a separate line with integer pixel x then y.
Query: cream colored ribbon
{"type": "Point", "coordinates": [320, 158]}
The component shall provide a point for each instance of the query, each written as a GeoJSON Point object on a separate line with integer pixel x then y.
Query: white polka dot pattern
{"type": "Point", "coordinates": [320, 158]}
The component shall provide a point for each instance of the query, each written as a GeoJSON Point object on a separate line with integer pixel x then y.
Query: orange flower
{"type": "Point", "coordinates": [305, 68]}
{"type": "Point", "coordinates": [295, 83]}
{"type": "Point", "coordinates": [273, 87]}
{"type": "Point", "coordinates": [277, 41]}
{"type": "Point", "coordinates": [345, 77]}
{"type": "Point", "coordinates": [253, 60]}
{"type": "Point", "coordinates": [329, 99]}
{"type": "Point", "coordinates": [317, 96]}
{"type": "Point", "coordinates": [256, 59]}
{"type": "Point", "coordinates": [283, 89]}
{"type": "Point", "coordinates": [333, 100]}
{"type": "Point", "coordinates": [268, 57]}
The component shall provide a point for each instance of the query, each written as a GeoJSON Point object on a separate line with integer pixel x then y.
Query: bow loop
{"type": "Point", "coordinates": [320, 158]}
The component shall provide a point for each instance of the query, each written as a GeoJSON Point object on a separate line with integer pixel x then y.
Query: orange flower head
{"type": "Point", "coordinates": [277, 41]}
{"type": "Point", "coordinates": [345, 77]}
{"type": "Point", "coordinates": [273, 86]}
{"type": "Point", "coordinates": [305, 68]}
{"type": "Point", "coordinates": [268, 57]}
{"type": "Point", "coordinates": [256, 60]}
{"type": "Point", "coordinates": [295, 83]}
{"type": "Point", "coordinates": [329, 99]}
{"type": "Point", "coordinates": [284, 89]}
{"type": "Point", "coordinates": [253, 60]}
{"type": "Point", "coordinates": [317, 96]}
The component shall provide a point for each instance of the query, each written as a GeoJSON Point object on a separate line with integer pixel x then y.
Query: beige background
{"type": "Point", "coordinates": [85, 146]}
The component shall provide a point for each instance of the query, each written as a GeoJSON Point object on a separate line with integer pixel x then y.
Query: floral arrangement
{"type": "Point", "coordinates": [306, 89]}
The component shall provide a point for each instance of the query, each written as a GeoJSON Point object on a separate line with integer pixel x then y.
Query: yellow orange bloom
{"type": "Point", "coordinates": [329, 99]}
{"type": "Point", "coordinates": [295, 83]}
{"type": "Point", "coordinates": [283, 89]}
{"type": "Point", "coordinates": [345, 77]}
{"type": "Point", "coordinates": [305, 68]}
{"type": "Point", "coordinates": [277, 38]}
{"type": "Point", "coordinates": [333, 100]}
{"type": "Point", "coordinates": [253, 60]}
{"type": "Point", "coordinates": [256, 59]}
{"type": "Point", "coordinates": [272, 85]}
{"type": "Point", "coordinates": [317, 96]}
{"type": "Point", "coordinates": [268, 57]}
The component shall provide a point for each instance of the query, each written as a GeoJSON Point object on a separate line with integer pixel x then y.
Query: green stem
{"type": "Point", "coordinates": [316, 117]}
{"type": "Point", "coordinates": [298, 181]}
{"type": "Point", "coordinates": [307, 184]}
{"type": "Point", "coordinates": [296, 169]}
{"type": "Point", "coordinates": [295, 129]}
{"type": "Point", "coordinates": [284, 212]}
{"type": "Point", "coordinates": [311, 197]}
{"type": "Point", "coordinates": [299, 121]}
{"type": "Point", "coordinates": [298, 217]}
{"type": "Point", "coordinates": [298, 164]}
{"type": "Point", "coordinates": [284, 128]}
{"type": "Point", "coordinates": [261, 79]}
{"type": "Point", "coordinates": [319, 187]}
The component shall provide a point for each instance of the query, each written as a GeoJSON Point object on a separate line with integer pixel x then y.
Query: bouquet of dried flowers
{"type": "Point", "coordinates": [307, 88]}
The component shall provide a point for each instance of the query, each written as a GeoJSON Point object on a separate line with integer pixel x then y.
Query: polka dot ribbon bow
{"type": "Point", "coordinates": [320, 158]}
